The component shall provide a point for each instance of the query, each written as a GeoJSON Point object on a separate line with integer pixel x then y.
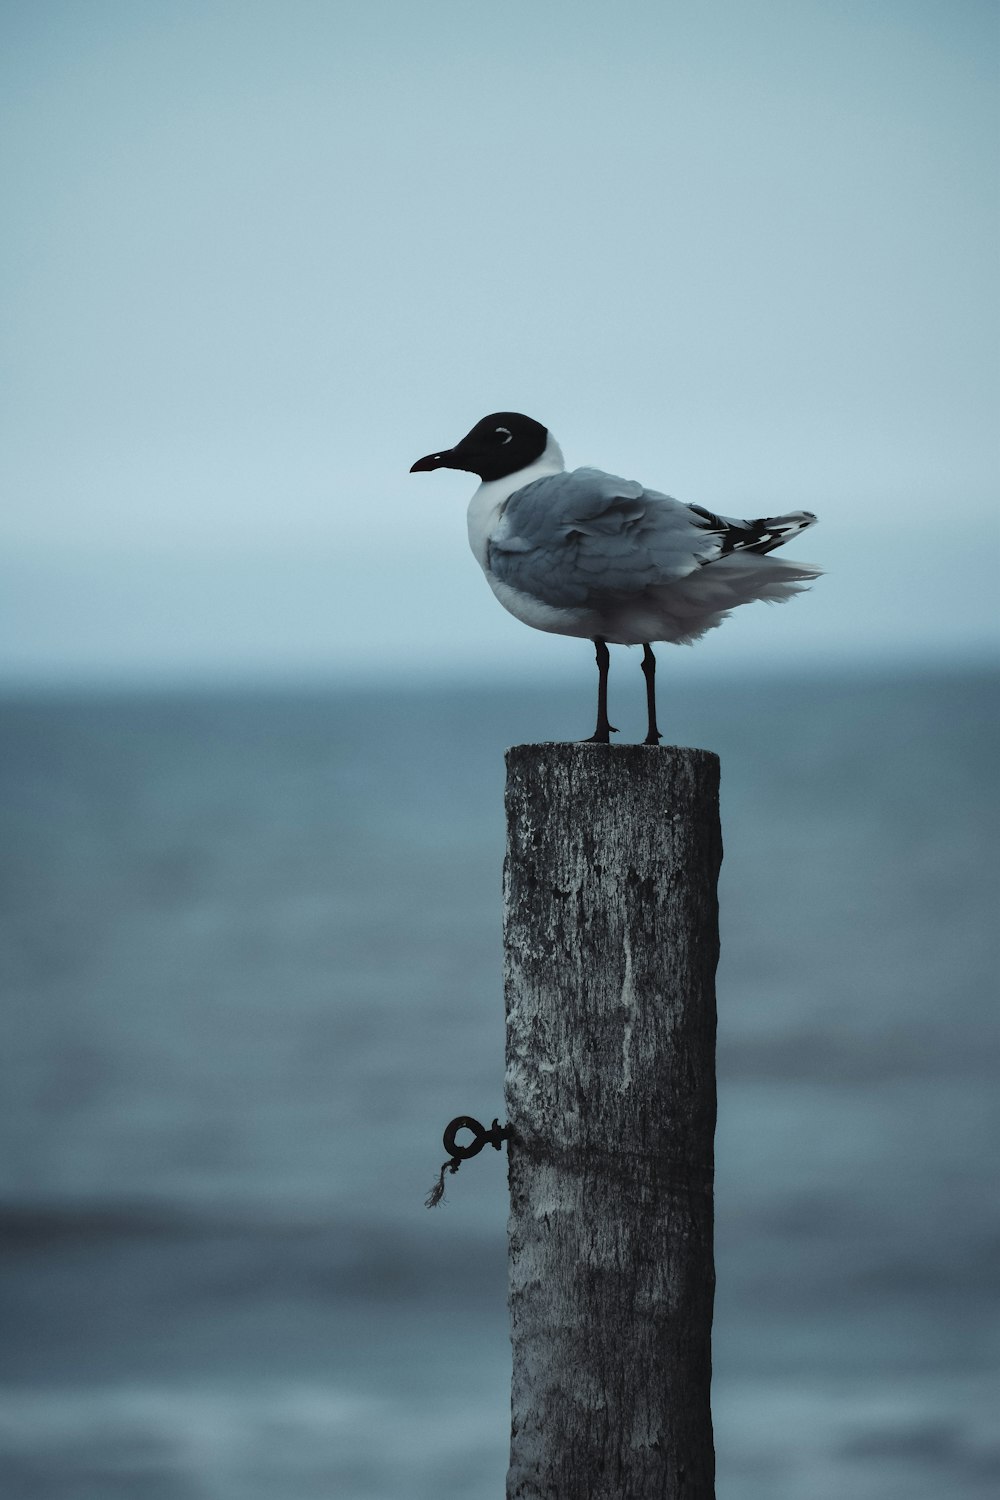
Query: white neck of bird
{"type": "Point", "coordinates": [492, 495]}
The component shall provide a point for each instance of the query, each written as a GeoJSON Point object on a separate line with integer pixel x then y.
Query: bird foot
{"type": "Point", "coordinates": [600, 736]}
{"type": "Point", "coordinates": [653, 737]}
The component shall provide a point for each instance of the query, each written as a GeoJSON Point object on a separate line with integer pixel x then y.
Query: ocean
{"type": "Point", "coordinates": [251, 965]}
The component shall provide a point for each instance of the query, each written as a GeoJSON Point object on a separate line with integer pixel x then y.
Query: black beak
{"type": "Point", "coordinates": [434, 461]}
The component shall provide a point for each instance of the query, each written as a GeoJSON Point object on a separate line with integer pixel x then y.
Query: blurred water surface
{"type": "Point", "coordinates": [251, 962]}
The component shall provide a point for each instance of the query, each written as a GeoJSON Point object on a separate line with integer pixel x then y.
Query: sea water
{"type": "Point", "coordinates": [251, 967]}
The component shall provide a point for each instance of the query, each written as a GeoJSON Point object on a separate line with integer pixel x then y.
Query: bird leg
{"type": "Point", "coordinates": [602, 734]}
{"type": "Point", "coordinates": [653, 736]}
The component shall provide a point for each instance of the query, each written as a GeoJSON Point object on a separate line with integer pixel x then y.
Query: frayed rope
{"type": "Point", "coordinates": [436, 1194]}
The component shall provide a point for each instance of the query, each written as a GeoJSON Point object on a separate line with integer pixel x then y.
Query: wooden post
{"type": "Point", "coordinates": [611, 944]}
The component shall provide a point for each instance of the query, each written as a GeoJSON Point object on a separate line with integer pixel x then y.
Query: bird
{"type": "Point", "coordinates": [589, 554]}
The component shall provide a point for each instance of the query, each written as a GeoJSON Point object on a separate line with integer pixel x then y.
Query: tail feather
{"type": "Point", "coordinates": [758, 536]}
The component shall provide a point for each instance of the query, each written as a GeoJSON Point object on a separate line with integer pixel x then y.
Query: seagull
{"type": "Point", "coordinates": [588, 554]}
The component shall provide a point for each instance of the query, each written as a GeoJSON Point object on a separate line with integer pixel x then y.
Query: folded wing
{"type": "Point", "coordinates": [593, 540]}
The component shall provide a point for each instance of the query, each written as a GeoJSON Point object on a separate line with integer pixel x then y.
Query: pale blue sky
{"type": "Point", "coordinates": [261, 255]}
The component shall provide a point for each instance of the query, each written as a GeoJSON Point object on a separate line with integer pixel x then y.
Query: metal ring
{"type": "Point", "coordinates": [464, 1122]}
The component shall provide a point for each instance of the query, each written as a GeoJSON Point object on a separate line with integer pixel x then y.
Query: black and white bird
{"type": "Point", "coordinates": [588, 554]}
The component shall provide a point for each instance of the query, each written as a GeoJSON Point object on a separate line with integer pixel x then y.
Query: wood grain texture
{"type": "Point", "coordinates": [611, 945]}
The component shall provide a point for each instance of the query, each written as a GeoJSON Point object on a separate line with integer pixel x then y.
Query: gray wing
{"type": "Point", "coordinates": [589, 539]}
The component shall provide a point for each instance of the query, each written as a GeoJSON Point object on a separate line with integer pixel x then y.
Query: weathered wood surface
{"type": "Point", "coordinates": [611, 945]}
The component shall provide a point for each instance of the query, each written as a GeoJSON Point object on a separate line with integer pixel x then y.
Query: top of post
{"type": "Point", "coordinates": [611, 759]}
{"type": "Point", "coordinates": [612, 784]}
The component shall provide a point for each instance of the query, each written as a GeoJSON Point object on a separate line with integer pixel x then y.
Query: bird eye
{"type": "Point", "coordinates": [504, 434]}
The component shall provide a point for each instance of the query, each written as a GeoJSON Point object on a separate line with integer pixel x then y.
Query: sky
{"type": "Point", "coordinates": [260, 255]}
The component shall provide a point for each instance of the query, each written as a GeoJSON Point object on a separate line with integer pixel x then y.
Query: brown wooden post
{"type": "Point", "coordinates": [611, 945]}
